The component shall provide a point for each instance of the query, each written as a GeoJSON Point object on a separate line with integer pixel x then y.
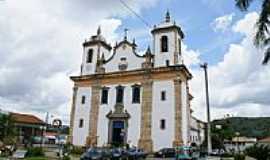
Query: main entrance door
{"type": "Point", "coordinates": [118, 132]}
{"type": "Point", "coordinates": [118, 125]}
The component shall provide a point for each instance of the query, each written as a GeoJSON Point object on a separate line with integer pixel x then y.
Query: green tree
{"type": "Point", "coordinates": [7, 129]}
{"type": "Point", "coordinates": [259, 151]}
{"type": "Point", "coordinates": [262, 37]}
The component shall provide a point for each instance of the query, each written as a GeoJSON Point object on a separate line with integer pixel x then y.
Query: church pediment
{"type": "Point", "coordinates": [118, 113]}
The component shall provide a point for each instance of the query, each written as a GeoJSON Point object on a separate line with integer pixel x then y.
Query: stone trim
{"type": "Point", "coordinates": [157, 70]}
{"type": "Point", "coordinates": [145, 141]}
{"type": "Point", "coordinates": [135, 76]}
{"type": "Point", "coordinates": [178, 139]}
{"type": "Point", "coordinates": [93, 116]}
{"type": "Point", "coordinates": [175, 53]}
{"type": "Point", "coordinates": [72, 114]}
{"type": "Point", "coordinates": [168, 28]}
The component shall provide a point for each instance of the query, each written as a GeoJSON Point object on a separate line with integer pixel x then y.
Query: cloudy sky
{"type": "Point", "coordinates": [40, 47]}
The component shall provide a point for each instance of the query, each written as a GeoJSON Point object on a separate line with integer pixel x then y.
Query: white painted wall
{"type": "Point", "coordinates": [163, 110]}
{"type": "Point", "coordinates": [173, 44]}
{"type": "Point", "coordinates": [89, 68]}
{"type": "Point", "coordinates": [81, 111]}
{"type": "Point", "coordinates": [133, 61]}
{"type": "Point", "coordinates": [133, 109]}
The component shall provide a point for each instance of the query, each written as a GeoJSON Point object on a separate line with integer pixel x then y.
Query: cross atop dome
{"type": "Point", "coordinates": [126, 32]}
{"type": "Point", "coordinates": [167, 17]}
{"type": "Point", "coordinates": [98, 30]}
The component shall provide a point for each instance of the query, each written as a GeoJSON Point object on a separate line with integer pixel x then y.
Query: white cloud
{"type": "Point", "coordinates": [191, 57]}
{"type": "Point", "coordinates": [239, 84]}
{"type": "Point", "coordinates": [246, 25]}
{"type": "Point", "coordinates": [222, 23]}
{"type": "Point", "coordinates": [41, 46]}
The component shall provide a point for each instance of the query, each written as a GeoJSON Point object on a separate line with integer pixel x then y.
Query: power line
{"type": "Point", "coordinates": [145, 22]}
{"type": "Point", "coordinates": [135, 13]}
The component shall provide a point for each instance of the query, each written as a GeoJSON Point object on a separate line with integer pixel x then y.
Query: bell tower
{"type": "Point", "coordinates": [95, 50]}
{"type": "Point", "coordinates": [167, 37]}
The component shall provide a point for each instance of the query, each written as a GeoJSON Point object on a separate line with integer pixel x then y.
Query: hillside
{"type": "Point", "coordinates": [247, 126]}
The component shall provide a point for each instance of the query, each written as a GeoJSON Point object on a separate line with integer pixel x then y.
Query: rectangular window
{"type": "Point", "coordinates": [89, 57]}
{"type": "Point", "coordinates": [162, 124]}
{"type": "Point", "coordinates": [163, 95]}
{"type": "Point", "coordinates": [83, 99]}
{"type": "Point", "coordinates": [104, 96]}
{"type": "Point", "coordinates": [81, 123]}
{"type": "Point", "coordinates": [136, 94]}
{"type": "Point", "coordinates": [119, 94]}
{"type": "Point", "coordinates": [164, 44]}
{"type": "Point", "coordinates": [167, 63]}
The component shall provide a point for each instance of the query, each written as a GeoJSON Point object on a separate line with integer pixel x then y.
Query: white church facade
{"type": "Point", "coordinates": [123, 97]}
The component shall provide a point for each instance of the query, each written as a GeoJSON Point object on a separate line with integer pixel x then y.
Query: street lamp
{"type": "Point", "coordinates": [209, 143]}
{"type": "Point", "coordinates": [237, 137]}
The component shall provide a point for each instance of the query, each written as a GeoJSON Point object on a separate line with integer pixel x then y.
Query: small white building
{"type": "Point", "coordinates": [123, 97]}
{"type": "Point", "coordinates": [239, 144]}
{"type": "Point", "coordinates": [197, 131]}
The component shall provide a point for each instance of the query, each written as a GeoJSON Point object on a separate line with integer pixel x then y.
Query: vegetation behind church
{"type": "Point", "coordinates": [258, 127]}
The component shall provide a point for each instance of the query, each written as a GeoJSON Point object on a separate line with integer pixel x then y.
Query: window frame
{"type": "Point", "coordinates": [89, 59]}
{"type": "Point", "coordinates": [81, 123]}
{"type": "Point", "coordinates": [162, 124]}
{"type": "Point", "coordinates": [164, 44]}
{"type": "Point", "coordinates": [167, 63]}
{"type": "Point", "coordinates": [83, 99]}
{"type": "Point", "coordinates": [136, 99]}
{"type": "Point", "coordinates": [121, 98]}
{"type": "Point", "coordinates": [163, 96]}
{"type": "Point", "coordinates": [102, 95]}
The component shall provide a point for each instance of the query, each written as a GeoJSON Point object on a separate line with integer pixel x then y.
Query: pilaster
{"type": "Point", "coordinates": [93, 118]}
{"type": "Point", "coordinates": [145, 141]}
{"type": "Point", "coordinates": [178, 140]}
{"type": "Point", "coordinates": [72, 114]}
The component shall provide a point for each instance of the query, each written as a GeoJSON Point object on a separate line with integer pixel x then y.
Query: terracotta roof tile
{"type": "Point", "coordinates": [26, 118]}
{"type": "Point", "coordinates": [265, 140]}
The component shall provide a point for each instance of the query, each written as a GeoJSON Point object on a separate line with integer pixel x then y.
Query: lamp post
{"type": "Point", "coordinates": [209, 143]}
{"type": "Point", "coordinates": [237, 137]}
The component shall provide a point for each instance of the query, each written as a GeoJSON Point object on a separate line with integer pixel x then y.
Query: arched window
{"type": "Point", "coordinates": [164, 44]}
{"type": "Point", "coordinates": [89, 57]}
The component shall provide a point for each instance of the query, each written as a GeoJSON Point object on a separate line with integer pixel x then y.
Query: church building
{"type": "Point", "coordinates": [123, 97]}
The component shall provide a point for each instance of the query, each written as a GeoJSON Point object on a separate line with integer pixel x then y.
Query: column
{"type": "Point", "coordinates": [93, 118]}
{"type": "Point", "coordinates": [72, 114]}
{"type": "Point", "coordinates": [145, 141]}
{"type": "Point", "coordinates": [178, 113]}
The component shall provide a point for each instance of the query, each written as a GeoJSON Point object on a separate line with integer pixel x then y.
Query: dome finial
{"type": "Point", "coordinates": [168, 17]}
{"type": "Point", "coordinates": [98, 30]}
{"type": "Point", "coordinates": [126, 32]}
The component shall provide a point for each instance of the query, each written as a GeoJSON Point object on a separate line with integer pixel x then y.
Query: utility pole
{"type": "Point", "coordinates": [209, 143]}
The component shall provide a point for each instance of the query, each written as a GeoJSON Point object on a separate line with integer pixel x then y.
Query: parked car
{"type": "Point", "coordinates": [96, 154]}
{"type": "Point", "coordinates": [135, 153]}
{"type": "Point", "coordinates": [165, 153]}
{"type": "Point", "coordinates": [186, 153]}
{"type": "Point", "coordinates": [116, 153]}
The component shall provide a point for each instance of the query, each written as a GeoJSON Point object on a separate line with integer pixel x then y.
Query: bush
{"type": "Point", "coordinates": [225, 155]}
{"type": "Point", "coordinates": [259, 152]}
{"type": "Point", "coordinates": [239, 157]}
{"type": "Point", "coordinates": [35, 152]}
{"type": "Point", "coordinates": [77, 150]}
{"type": "Point", "coordinates": [66, 158]}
